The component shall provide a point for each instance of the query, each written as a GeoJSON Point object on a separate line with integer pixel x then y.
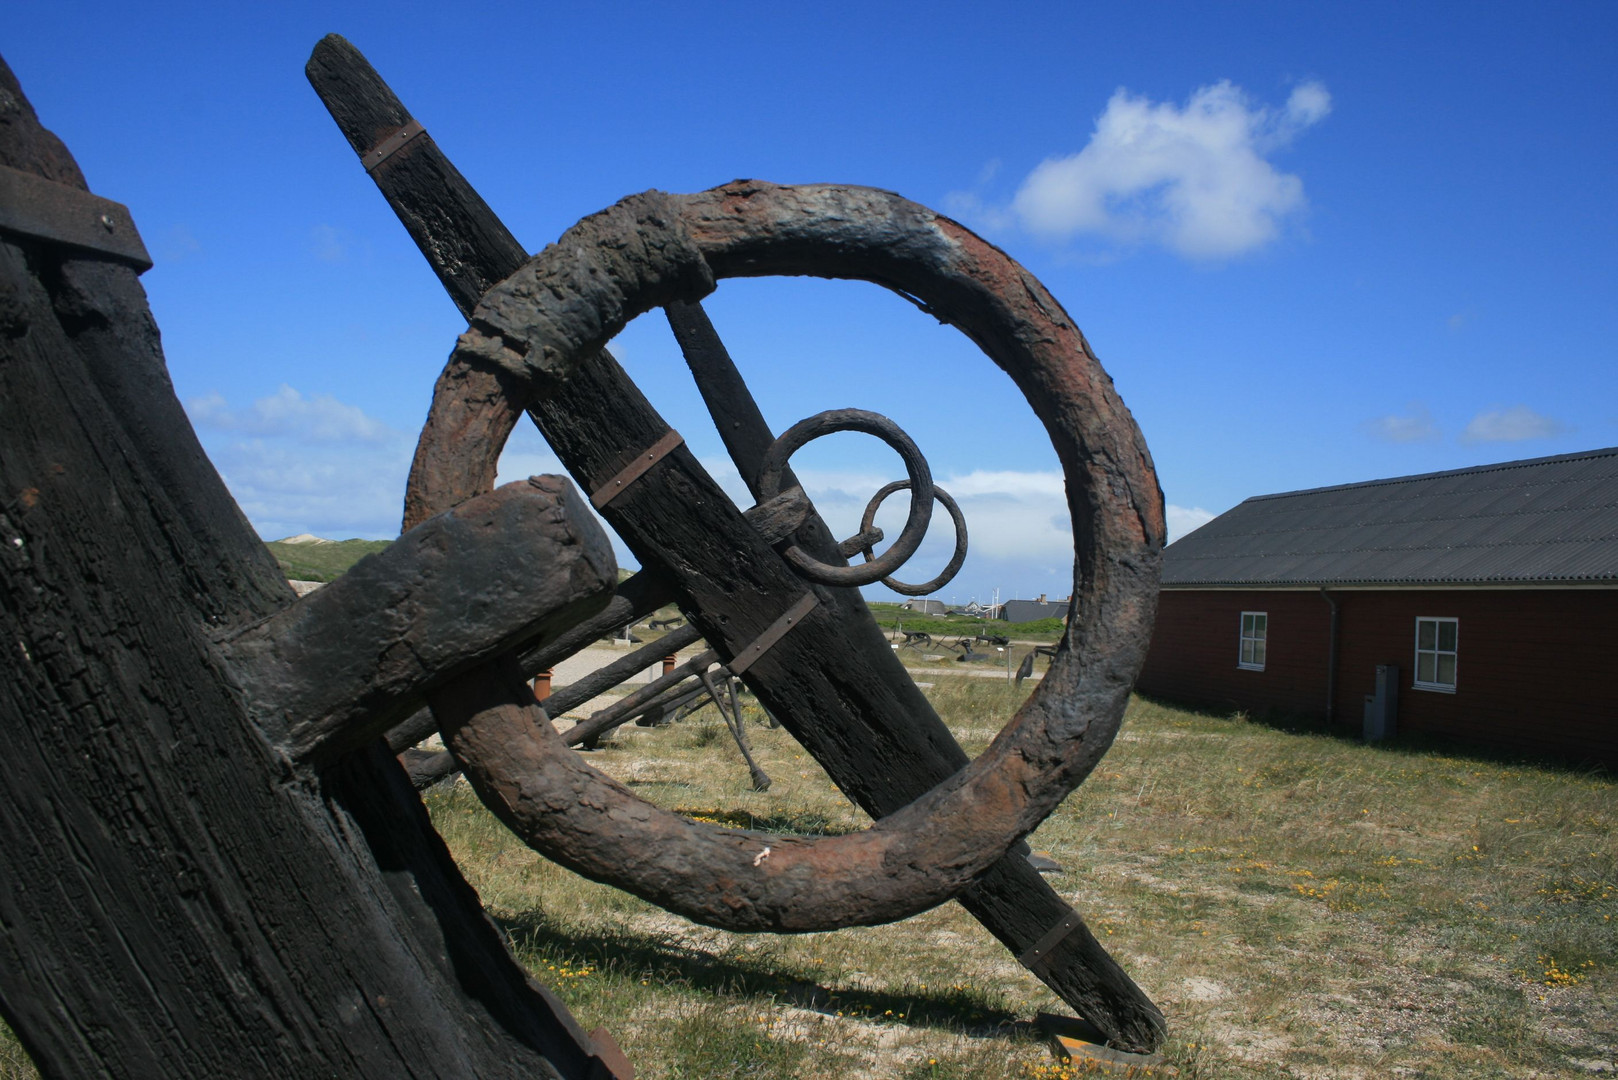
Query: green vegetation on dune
{"type": "Point", "coordinates": [323, 561]}
{"type": "Point", "coordinates": [892, 617]}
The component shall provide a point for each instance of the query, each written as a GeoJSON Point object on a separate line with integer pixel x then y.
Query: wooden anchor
{"type": "Point", "coordinates": [884, 750]}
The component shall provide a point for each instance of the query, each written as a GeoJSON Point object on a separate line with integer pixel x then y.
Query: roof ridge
{"type": "Point", "coordinates": [1428, 519]}
{"type": "Point", "coordinates": [1424, 547]}
{"type": "Point", "coordinates": [1501, 466]}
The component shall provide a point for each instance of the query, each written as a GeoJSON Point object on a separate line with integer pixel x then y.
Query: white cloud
{"type": "Point", "coordinates": [286, 488]}
{"type": "Point", "coordinates": [1415, 425]}
{"type": "Point", "coordinates": [177, 243]}
{"type": "Point", "coordinates": [289, 414]}
{"type": "Point", "coordinates": [1196, 179]}
{"type": "Point", "coordinates": [327, 244]}
{"type": "Point", "coordinates": [1010, 516]}
{"type": "Point", "coordinates": [1184, 519]}
{"type": "Point", "coordinates": [297, 463]}
{"type": "Point", "coordinates": [1043, 486]}
{"type": "Point", "coordinates": [1511, 425]}
{"type": "Point", "coordinates": [1020, 534]}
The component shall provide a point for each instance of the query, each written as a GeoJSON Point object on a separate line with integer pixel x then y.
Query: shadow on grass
{"type": "Point", "coordinates": [1421, 744]}
{"type": "Point", "coordinates": [791, 823]}
{"type": "Point", "coordinates": [1283, 720]}
{"type": "Point", "coordinates": [1408, 744]}
{"type": "Point", "coordinates": [627, 954]}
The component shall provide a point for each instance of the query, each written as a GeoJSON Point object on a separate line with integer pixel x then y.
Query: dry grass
{"type": "Point", "coordinates": [14, 1064]}
{"type": "Point", "coordinates": [1300, 905]}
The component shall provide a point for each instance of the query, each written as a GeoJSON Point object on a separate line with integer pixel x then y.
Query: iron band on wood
{"type": "Point", "coordinates": [778, 630]}
{"type": "Point", "coordinates": [1041, 950]}
{"type": "Point", "coordinates": [385, 149]}
{"type": "Point", "coordinates": [42, 209]}
{"type": "Point", "coordinates": [635, 469]}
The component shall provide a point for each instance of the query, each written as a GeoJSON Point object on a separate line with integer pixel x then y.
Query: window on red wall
{"type": "Point", "coordinates": [1437, 641]}
{"type": "Point", "coordinates": [1255, 631]}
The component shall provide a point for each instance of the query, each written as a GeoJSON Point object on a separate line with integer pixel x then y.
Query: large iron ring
{"type": "Point", "coordinates": [556, 312]}
{"type": "Point", "coordinates": [921, 507]}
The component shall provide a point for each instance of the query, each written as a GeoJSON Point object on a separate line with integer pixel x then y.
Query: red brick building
{"type": "Point", "coordinates": [1487, 596]}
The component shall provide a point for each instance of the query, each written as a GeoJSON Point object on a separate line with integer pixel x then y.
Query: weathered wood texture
{"type": "Point", "coordinates": [428, 767]}
{"type": "Point", "coordinates": [461, 229]}
{"type": "Point", "coordinates": [351, 660]}
{"type": "Point", "coordinates": [175, 901]}
{"type": "Point", "coordinates": [833, 682]}
{"type": "Point", "coordinates": [636, 598]}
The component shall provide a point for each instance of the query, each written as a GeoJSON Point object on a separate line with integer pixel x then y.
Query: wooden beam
{"type": "Point", "coordinates": [349, 661]}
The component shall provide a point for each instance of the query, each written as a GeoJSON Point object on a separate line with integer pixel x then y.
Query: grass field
{"type": "Point", "coordinates": [1299, 905]}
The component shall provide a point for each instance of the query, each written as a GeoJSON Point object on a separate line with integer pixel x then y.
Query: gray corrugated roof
{"type": "Point", "coordinates": [1549, 519]}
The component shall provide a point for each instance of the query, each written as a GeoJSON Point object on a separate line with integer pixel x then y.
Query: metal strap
{"type": "Point", "coordinates": [608, 1062]}
{"type": "Point", "coordinates": [632, 472]}
{"type": "Point", "coordinates": [385, 149]}
{"type": "Point", "coordinates": [778, 630]}
{"type": "Point", "coordinates": [1046, 945]}
{"type": "Point", "coordinates": [42, 209]}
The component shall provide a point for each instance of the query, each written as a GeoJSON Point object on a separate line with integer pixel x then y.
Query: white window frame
{"type": "Point", "coordinates": [1260, 640]}
{"type": "Point", "coordinates": [1435, 684]}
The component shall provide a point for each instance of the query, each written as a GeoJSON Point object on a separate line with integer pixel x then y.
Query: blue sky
{"type": "Point", "coordinates": [1312, 243]}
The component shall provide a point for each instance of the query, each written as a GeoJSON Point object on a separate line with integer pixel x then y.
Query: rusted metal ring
{"type": "Point", "coordinates": [921, 478]}
{"type": "Point", "coordinates": [955, 560]}
{"type": "Point", "coordinates": [538, 325]}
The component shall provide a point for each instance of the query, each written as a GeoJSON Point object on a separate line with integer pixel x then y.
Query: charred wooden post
{"type": "Point", "coordinates": [636, 598]}
{"type": "Point", "coordinates": [178, 901]}
{"type": "Point", "coordinates": [677, 704]}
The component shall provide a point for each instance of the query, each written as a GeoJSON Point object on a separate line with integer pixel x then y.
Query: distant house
{"type": "Point", "coordinates": [1486, 598]}
{"type": "Point", "coordinates": [1016, 611]}
{"type": "Point", "coordinates": [925, 607]}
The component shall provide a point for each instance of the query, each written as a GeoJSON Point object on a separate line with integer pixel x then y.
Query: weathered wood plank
{"type": "Point", "coordinates": [565, 698]}
{"type": "Point", "coordinates": [628, 707]}
{"type": "Point", "coordinates": [349, 661]}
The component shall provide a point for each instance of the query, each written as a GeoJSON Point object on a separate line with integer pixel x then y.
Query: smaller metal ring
{"type": "Point", "coordinates": [955, 561]}
{"type": "Point", "coordinates": [921, 504]}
